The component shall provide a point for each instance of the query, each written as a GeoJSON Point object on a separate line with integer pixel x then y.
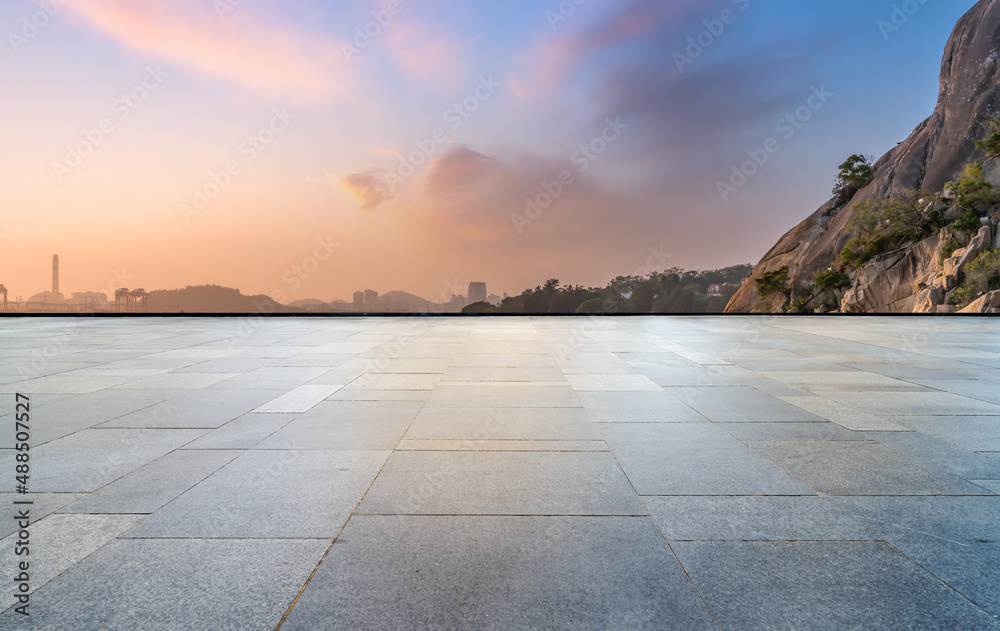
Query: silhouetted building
{"type": "Point", "coordinates": [359, 298]}
{"type": "Point", "coordinates": [477, 292]}
{"type": "Point", "coordinates": [55, 273]}
{"type": "Point", "coordinates": [371, 297]}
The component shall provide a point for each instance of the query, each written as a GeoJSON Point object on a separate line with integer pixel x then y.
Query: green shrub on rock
{"type": "Point", "coordinates": [973, 194]}
{"type": "Point", "coordinates": [772, 282]}
{"type": "Point", "coordinates": [886, 225]}
{"type": "Point", "coordinates": [980, 277]}
{"type": "Point", "coordinates": [831, 280]}
{"type": "Point", "coordinates": [949, 248]}
{"type": "Point", "coordinates": [991, 144]}
{"type": "Point", "coordinates": [968, 223]}
{"type": "Point", "coordinates": [854, 173]}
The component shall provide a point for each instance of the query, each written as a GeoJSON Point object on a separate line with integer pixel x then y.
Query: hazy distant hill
{"type": "Point", "coordinates": [211, 299]}
{"type": "Point", "coordinates": [413, 302]}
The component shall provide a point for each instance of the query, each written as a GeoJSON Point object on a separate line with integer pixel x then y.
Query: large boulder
{"type": "Point", "coordinates": [991, 171]}
{"type": "Point", "coordinates": [989, 303]}
{"type": "Point", "coordinates": [894, 283]}
{"type": "Point", "coordinates": [934, 154]}
{"type": "Point", "coordinates": [960, 258]}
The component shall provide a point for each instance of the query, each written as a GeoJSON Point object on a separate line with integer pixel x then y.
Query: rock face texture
{"type": "Point", "coordinates": [990, 303]}
{"type": "Point", "coordinates": [933, 155]}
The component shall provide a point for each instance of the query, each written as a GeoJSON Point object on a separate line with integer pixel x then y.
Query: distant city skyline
{"type": "Point", "coordinates": [310, 149]}
{"type": "Point", "coordinates": [365, 300]}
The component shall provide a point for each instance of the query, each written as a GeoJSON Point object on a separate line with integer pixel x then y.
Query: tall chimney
{"type": "Point", "coordinates": [55, 273]}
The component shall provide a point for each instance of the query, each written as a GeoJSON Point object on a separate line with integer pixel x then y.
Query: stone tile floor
{"type": "Point", "coordinates": [516, 473]}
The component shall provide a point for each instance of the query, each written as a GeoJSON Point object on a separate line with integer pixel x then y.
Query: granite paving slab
{"type": "Point", "coordinates": [638, 407]}
{"type": "Point", "coordinates": [955, 538]}
{"type": "Point", "coordinates": [43, 504]}
{"type": "Point", "coordinates": [56, 543]}
{"type": "Point", "coordinates": [502, 396]}
{"type": "Point", "coordinates": [501, 483]}
{"type": "Point", "coordinates": [861, 468]}
{"type": "Point", "coordinates": [242, 433]}
{"type": "Point", "coordinates": [85, 461]}
{"type": "Point", "coordinates": [830, 585]}
{"type": "Point", "coordinates": [756, 518]}
{"type": "Point", "coordinates": [172, 584]}
{"type": "Point", "coordinates": [502, 424]}
{"type": "Point", "coordinates": [288, 494]}
{"type": "Point", "coordinates": [975, 433]}
{"type": "Point", "coordinates": [693, 459]}
{"type": "Point", "coordinates": [499, 573]}
{"type": "Point", "coordinates": [742, 405]}
{"type": "Point", "coordinates": [150, 488]}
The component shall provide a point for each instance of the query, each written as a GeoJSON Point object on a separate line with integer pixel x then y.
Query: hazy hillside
{"type": "Point", "coordinates": [211, 299]}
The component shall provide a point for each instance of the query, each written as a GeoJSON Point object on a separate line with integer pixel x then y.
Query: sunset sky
{"type": "Point", "coordinates": [239, 135]}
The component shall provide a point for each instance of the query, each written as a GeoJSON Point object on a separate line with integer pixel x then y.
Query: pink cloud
{"type": "Point", "coordinates": [242, 48]}
{"type": "Point", "coordinates": [457, 170]}
{"type": "Point", "coordinates": [368, 187]}
{"type": "Point", "coordinates": [470, 200]}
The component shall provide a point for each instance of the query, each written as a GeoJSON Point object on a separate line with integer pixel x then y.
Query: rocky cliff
{"type": "Point", "coordinates": [934, 154]}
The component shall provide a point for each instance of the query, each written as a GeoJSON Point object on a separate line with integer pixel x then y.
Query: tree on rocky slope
{"type": "Point", "coordinates": [854, 173]}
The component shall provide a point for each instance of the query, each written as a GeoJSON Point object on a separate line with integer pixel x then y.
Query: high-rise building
{"type": "Point", "coordinates": [477, 292]}
{"type": "Point", "coordinates": [55, 273]}
{"type": "Point", "coordinates": [359, 298]}
{"type": "Point", "coordinates": [371, 297]}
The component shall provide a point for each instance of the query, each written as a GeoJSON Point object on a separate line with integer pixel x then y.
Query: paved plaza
{"type": "Point", "coordinates": [504, 473]}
